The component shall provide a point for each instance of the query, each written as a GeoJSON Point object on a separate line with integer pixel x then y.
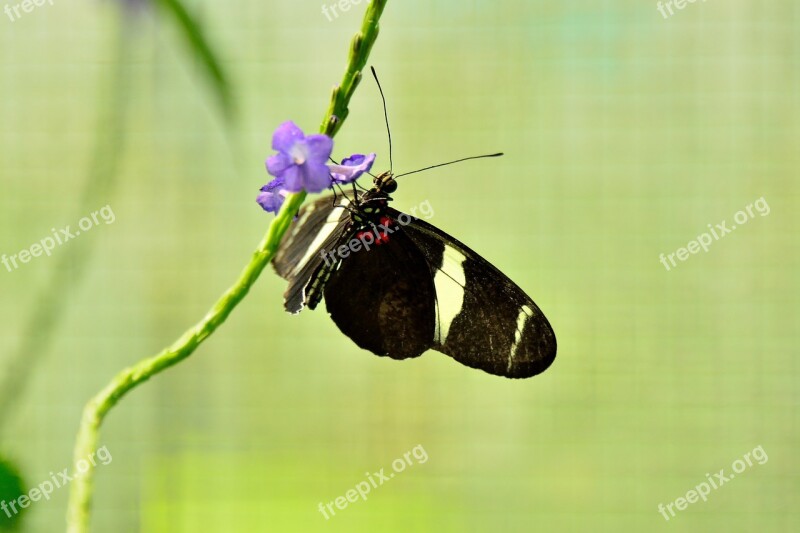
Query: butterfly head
{"type": "Point", "coordinates": [385, 183]}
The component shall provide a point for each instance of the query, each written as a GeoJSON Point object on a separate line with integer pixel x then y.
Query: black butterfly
{"type": "Point", "coordinates": [413, 288]}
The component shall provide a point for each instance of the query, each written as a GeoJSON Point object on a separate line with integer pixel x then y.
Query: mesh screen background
{"type": "Point", "coordinates": [626, 135]}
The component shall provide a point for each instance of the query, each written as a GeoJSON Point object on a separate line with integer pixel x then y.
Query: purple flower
{"type": "Point", "coordinates": [300, 161]}
{"type": "Point", "coordinates": [272, 195]}
{"type": "Point", "coordinates": [352, 168]}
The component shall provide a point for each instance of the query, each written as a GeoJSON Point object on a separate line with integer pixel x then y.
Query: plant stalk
{"type": "Point", "coordinates": [95, 411]}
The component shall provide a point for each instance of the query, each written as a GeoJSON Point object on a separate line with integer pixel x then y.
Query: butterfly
{"type": "Point", "coordinates": [399, 286]}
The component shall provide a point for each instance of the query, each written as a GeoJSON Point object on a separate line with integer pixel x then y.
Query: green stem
{"type": "Point", "coordinates": [78, 512]}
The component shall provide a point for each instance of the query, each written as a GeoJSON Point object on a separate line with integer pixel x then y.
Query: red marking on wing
{"type": "Point", "coordinates": [382, 234]}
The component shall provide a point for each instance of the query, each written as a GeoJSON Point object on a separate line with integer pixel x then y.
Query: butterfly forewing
{"type": "Point", "coordinates": [319, 226]}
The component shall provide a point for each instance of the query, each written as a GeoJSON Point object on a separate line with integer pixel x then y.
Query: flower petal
{"type": "Point", "coordinates": [355, 160]}
{"type": "Point", "coordinates": [270, 202]}
{"type": "Point", "coordinates": [352, 168]}
{"type": "Point", "coordinates": [319, 148]}
{"type": "Point", "coordinates": [278, 163]}
{"type": "Point", "coordinates": [286, 136]}
{"type": "Point", "coordinates": [274, 185]}
{"type": "Point", "coordinates": [272, 195]}
{"type": "Point", "coordinates": [300, 161]}
{"type": "Point", "coordinates": [316, 176]}
{"type": "Point", "coordinates": [294, 179]}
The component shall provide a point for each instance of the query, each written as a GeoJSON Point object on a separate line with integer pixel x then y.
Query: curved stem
{"type": "Point", "coordinates": [78, 512]}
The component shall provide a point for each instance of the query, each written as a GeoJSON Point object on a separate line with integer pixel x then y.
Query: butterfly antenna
{"type": "Point", "coordinates": [450, 163]}
{"type": "Point", "coordinates": [385, 116]}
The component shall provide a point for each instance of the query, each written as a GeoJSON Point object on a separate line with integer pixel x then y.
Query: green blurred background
{"type": "Point", "coordinates": [625, 134]}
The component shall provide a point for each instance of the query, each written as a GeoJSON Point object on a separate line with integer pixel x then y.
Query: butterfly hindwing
{"type": "Point", "coordinates": [382, 299]}
{"type": "Point", "coordinates": [483, 319]}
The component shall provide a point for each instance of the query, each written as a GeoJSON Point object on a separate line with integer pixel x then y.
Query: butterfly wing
{"type": "Point", "coordinates": [382, 299]}
{"type": "Point", "coordinates": [420, 289]}
{"type": "Point", "coordinates": [319, 227]}
{"type": "Point", "coordinates": [482, 318]}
